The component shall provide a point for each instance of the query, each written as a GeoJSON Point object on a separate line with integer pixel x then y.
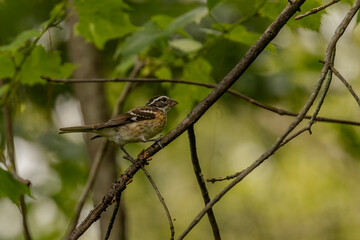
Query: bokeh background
{"type": "Point", "coordinates": [310, 189]}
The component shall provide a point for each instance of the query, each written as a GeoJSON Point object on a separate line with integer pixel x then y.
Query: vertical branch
{"type": "Point", "coordinates": [201, 182]}
{"type": "Point", "coordinates": [9, 135]}
{"type": "Point", "coordinates": [112, 220]}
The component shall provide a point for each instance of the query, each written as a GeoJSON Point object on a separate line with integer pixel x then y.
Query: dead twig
{"type": "Point", "coordinates": [346, 83]}
{"type": "Point", "coordinates": [112, 220]}
{"type": "Point", "coordinates": [315, 10]}
{"type": "Point", "coordinates": [281, 112]}
{"type": "Point", "coordinates": [147, 174]}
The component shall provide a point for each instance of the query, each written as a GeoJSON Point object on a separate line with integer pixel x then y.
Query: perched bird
{"type": "Point", "coordinates": [137, 125]}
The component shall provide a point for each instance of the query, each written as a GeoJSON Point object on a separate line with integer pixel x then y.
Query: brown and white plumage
{"type": "Point", "coordinates": [138, 124]}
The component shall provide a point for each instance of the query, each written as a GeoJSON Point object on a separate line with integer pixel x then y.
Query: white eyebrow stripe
{"type": "Point", "coordinates": [156, 99]}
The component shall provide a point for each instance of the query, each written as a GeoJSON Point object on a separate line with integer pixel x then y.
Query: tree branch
{"type": "Point", "coordinates": [147, 174]}
{"type": "Point", "coordinates": [201, 182]}
{"type": "Point", "coordinates": [193, 116]}
{"type": "Point", "coordinates": [315, 10]}
{"type": "Point", "coordinates": [279, 111]}
{"type": "Point", "coordinates": [346, 83]}
{"type": "Point", "coordinates": [338, 33]}
{"type": "Point", "coordinates": [9, 135]}
{"type": "Point", "coordinates": [112, 220]}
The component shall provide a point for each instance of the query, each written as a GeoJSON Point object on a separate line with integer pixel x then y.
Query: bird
{"type": "Point", "coordinates": [137, 125]}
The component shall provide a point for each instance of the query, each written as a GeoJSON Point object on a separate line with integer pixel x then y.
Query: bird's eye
{"type": "Point", "coordinates": [163, 99]}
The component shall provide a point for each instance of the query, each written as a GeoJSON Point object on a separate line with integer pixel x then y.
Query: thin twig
{"type": "Point", "coordinates": [346, 83]}
{"type": "Point", "coordinates": [9, 135]}
{"type": "Point", "coordinates": [88, 186]}
{"type": "Point", "coordinates": [229, 177]}
{"type": "Point", "coordinates": [127, 88]}
{"type": "Point", "coordinates": [338, 33]}
{"type": "Point", "coordinates": [315, 10]}
{"type": "Point", "coordinates": [147, 174]}
{"type": "Point", "coordinates": [326, 89]}
{"type": "Point", "coordinates": [281, 112]}
{"type": "Point", "coordinates": [201, 182]}
{"type": "Point", "coordinates": [113, 217]}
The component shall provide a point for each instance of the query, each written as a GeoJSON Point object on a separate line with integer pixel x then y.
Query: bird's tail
{"type": "Point", "coordinates": [85, 128]}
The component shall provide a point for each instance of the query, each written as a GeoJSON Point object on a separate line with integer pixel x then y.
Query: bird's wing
{"type": "Point", "coordinates": [134, 115]}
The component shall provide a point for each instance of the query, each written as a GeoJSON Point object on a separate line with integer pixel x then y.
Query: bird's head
{"type": "Point", "coordinates": [163, 103]}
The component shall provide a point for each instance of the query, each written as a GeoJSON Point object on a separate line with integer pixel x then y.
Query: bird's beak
{"type": "Point", "coordinates": [173, 103]}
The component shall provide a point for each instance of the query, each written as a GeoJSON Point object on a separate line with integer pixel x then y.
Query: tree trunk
{"type": "Point", "coordinates": [95, 109]}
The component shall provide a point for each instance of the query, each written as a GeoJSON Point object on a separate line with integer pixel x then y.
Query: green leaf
{"type": "Point", "coordinates": [198, 70]}
{"type": "Point", "coordinates": [272, 9]}
{"type": "Point", "coordinates": [100, 21]}
{"type": "Point", "coordinates": [212, 3]}
{"type": "Point", "coordinates": [7, 68]}
{"type": "Point", "coordinates": [163, 73]}
{"type": "Point", "coordinates": [4, 89]}
{"type": "Point", "coordinates": [140, 40]}
{"type": "Point", "coordinates": [186, 45]}
{"type": "Point", "coordinates": [241, 35]}
{"type": "Point", "coordinates": [11, 188]}
{"type": "Point", "coordinates": [42, 63]}
{"type": "Point", "coordinates": [20, 40]}
{"type": "Point", "coordinates": [310, 22]}
{"type": "Point", "coordinates": [192, 16]}
{"type": "Point", "coordinates": [162, 21]}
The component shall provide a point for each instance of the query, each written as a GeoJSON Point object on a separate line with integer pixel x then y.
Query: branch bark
{"type": "Point", "coordinates": [201, 182]}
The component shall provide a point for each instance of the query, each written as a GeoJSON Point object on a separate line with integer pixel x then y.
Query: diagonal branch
{"type": "Point", "coordinates": [338, 33]}
{"type": "Point", "coordinates": [201, 182]}
{"type": "Point", "coordinates": [193, 116]}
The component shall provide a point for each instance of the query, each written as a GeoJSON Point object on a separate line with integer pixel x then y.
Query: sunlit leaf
{"type": "Point", "coordinates": [198, 70]}
{"type": "Point", "coordinates": [193, 16]}
{"type": "Point", "coordinates": [42, 63]}
{"type": "Point", "coordinates": [140, 40]}
{"type": "Point", "coordinates": [312, 21]}
{"type": "Point", "coordinates": [272, 9]}
{"type": "Point", "coordinates": [186, 45]}
{"type": "Point", "coordinates": [7, 68]}
{"type": "Point", "coordinates": [164, 73]}
{"type": "Point", "coordinates": [20, 40]}
{"type": "Point", "coordinates": [11, 188]}
{"type": "Point", "coordinates": [100, 21]}
{"type": "Point", "coordinates": [212, 3]}
{"type": "Point", "coordinates": [240, 34]}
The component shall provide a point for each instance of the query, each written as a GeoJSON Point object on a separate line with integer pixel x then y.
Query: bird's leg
{"type": "Point", "coordinates": [127, 154]}
{"type": "Point", "coordinates": [157, 140]}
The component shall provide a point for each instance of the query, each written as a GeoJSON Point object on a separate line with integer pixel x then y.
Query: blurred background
{"type": "Point", "coordinates": [310, 189]}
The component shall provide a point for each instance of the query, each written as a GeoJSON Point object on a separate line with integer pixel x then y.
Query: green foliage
{"type": "Point", "coordinates": [212, 3]}
{"type": "Point", "coordinates": [20, 41]}
{"type": "Point", "coordinates": [312, 21]}
{"type": "Point", "coordinates": [186, 45]}
{"type": "Point", "coordinates": [11, 188]}
{"type": "Point", "coordinates": [7, 65]}
{"type": "Point", "coordinates": [44, 63]}
{"type": "Point", "coordinates": [100, 21]}
{"type": "Point", "coordinates": [140, 40]}
{"type": "Point", "coordinates": [192, 16]}
{"type": "Point", "coordinates": [241, 35]}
